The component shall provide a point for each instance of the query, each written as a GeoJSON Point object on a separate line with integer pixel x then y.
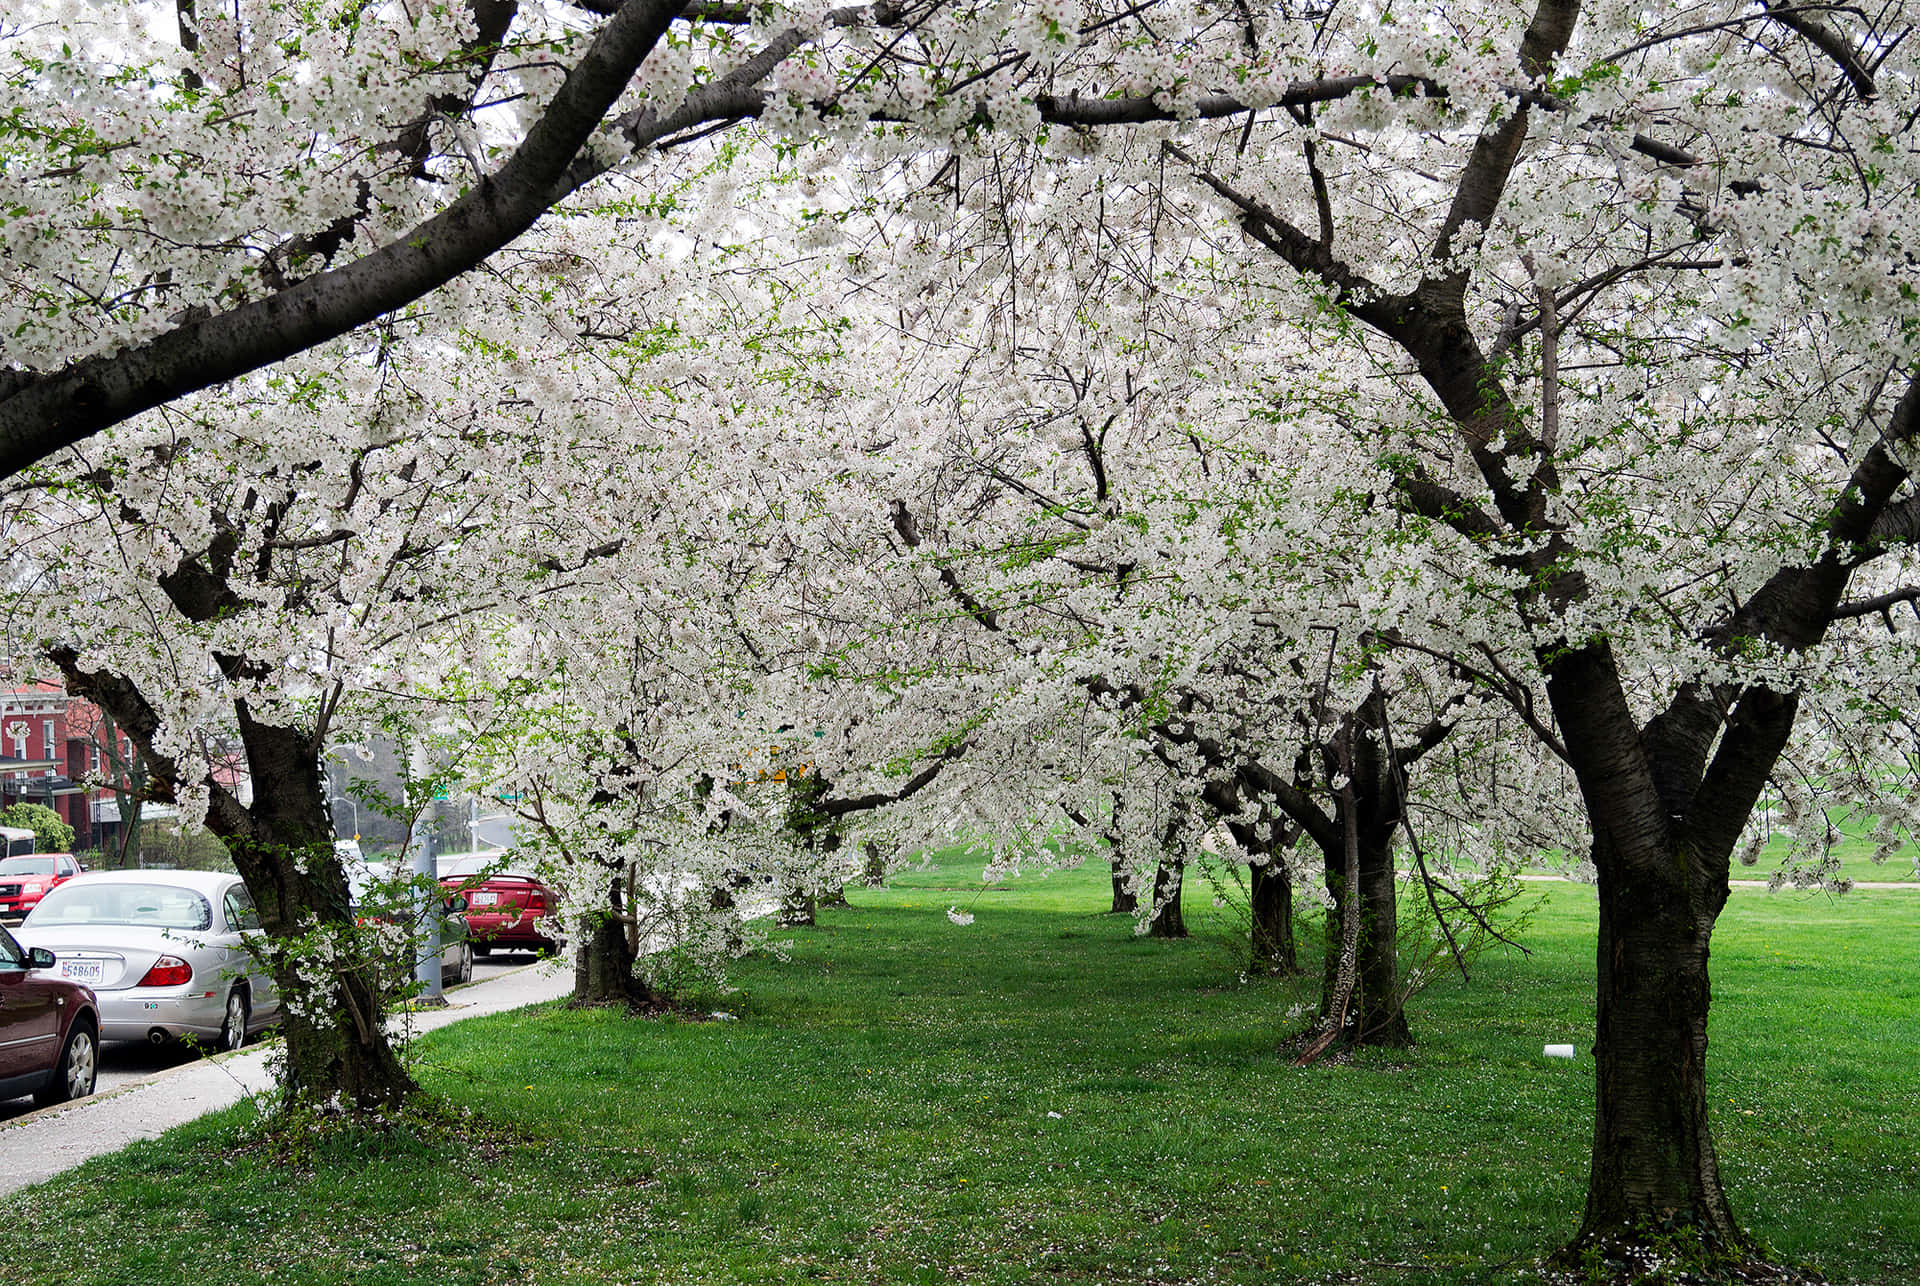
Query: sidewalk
{"type": "Point", "coordinates": [42, 1144]}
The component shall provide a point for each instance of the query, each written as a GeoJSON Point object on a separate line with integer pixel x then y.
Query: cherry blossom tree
{"type": "Point", "coordinates": [1634, 289]}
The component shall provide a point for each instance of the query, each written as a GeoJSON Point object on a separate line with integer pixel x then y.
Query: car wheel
{"type": "Point", "coordinates": [233, 1028]}
{"type": "Point", "coordinates": [464, 974]}
{"type": "Point", "coordinates": [79, 1063]}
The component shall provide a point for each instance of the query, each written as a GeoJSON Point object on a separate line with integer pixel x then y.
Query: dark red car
{"type": "Point", "coordinates": [49, 1028]}
{"type": "Point", "coordinates": [506, 910]}
{"type": "Point", "coordinates": [25, 879]}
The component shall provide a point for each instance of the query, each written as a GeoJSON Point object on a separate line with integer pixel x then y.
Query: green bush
{"type": "Point", "coordinates": [50, 834]}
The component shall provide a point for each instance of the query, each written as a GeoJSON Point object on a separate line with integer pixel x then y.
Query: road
{"type": "Point", "coordinates": [128, 1062]}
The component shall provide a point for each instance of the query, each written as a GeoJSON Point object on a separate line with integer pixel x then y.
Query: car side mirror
{"type": "Point", "coordinates": [456, 904]}
{"type": "Point", "coordinates": [39, 958]}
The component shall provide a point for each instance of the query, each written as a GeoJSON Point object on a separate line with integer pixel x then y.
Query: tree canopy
{"type": "Point", "coordinates": [1158, 419]}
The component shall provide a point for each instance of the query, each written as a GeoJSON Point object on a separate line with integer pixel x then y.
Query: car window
{"type": "Point", "coordinates": [27, 866]}
{"type": "Point", "coordinates": [11, 956]}
{"type": "Point", "coordinates": [68, 866]}
{"type": "Point", "coordinates": [241, 912]}
{"type": "Point", "coordinates": [160, 906]}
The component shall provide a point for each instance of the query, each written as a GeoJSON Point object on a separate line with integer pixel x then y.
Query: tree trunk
{"type": "Point", "coordinates": [1269, 893]}
{"type": "Point", "coordinates": [1375, 1012]}
{"type": "Point", "coordinates": [1168, 922]}
{"type": "Point", "coordinates": [874, 873]}
{"type": "Point", "coordinates": [1125, 900]}
{"type": "Point", "coordinates": [336, 1036]}
{"type": "Point", "coordinates": [799, 909]}
{"type": "Point", "coordinates": [1654, 1170]}
{"type": "Point", "coordinates": [1383, 1015]}
{"type": "Point", "coordinates": [1270, 897]}
{"type": "Point", "coordinates": [335, 1031]}
{"type": "Point", "coordinates": [1665, 820]}
{"type": "Point", "coordinates": [603, 961]}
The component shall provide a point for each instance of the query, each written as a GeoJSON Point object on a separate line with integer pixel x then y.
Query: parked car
{"type": "Point", "coordinates": [379, 889]}
{"type": "Point", "coordinates": [165, 953]}
{"type": "Point", "coordinates": [25, 880]}
{"type": "Point", "coordinates": [49, 1028]}
{"type": "Point", "coordinates": [507, 910]}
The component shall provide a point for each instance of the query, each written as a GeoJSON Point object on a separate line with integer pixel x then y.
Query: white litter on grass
{"type": "Point", "coordinates": [722, 1016]}
{"type": "Point", "coordinates": [1053, 1116]}
{"type": "Point", "coordinates": [1558, 1051]}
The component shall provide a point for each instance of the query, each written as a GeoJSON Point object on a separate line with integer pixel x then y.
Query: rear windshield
{"type": "Point", "coordinates": [472, 866]}
{"type": "Point", "coordinates": [363, 876]}
{"type": "Point", "coordinates": [160, 906]}
{"type": "Point", "coordinates": [26, 866]}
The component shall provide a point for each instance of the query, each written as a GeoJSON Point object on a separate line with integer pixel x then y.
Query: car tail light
{"type": "Point", "coordinates": [167, 971]}
{"type": "Point", "coordinates": [537, 900]}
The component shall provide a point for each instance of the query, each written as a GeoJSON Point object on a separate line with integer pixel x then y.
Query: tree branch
{"type": "Point", "coordinates": [1802, 21]}
{"type": "Point", "coordinates": [45, 412]}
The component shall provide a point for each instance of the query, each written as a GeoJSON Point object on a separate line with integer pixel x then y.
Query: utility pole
{"type": "Point", "coordinates": [426, 968]}
{"type": "Point", "coordinates": [420, 846]}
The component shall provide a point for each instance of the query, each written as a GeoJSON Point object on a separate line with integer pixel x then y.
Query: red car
{"type": "Point", "coordinates": [49, 1028]}
{"type": "Point", "coordinates": [26, 879]}
{"type": "Point", "coordinates": [506, 910]}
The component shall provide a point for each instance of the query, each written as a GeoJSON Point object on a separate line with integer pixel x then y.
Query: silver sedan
{"type": "Point", "coordinates": [165, 952]}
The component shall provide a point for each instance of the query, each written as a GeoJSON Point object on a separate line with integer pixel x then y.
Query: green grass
{"type": "Point", "coordinates": [1855, 851]}
{"type": "Point", "coordinates": [1044, 1097]}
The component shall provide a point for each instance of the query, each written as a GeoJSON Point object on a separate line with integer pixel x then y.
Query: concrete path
{"type": "Point", "coordinates": [41, 1144]}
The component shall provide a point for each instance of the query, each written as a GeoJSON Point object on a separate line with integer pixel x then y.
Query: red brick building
{"type": "Point", "coordinates": [50, 745]}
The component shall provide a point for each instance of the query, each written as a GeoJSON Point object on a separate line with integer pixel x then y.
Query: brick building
{"type": "Point", "coordinates": [50, 744]}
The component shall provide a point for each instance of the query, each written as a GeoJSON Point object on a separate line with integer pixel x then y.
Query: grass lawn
{"type": "Point", "coordinates": [1855, 851]}
{"type": "Point", "coordinates": [1044, 1097]}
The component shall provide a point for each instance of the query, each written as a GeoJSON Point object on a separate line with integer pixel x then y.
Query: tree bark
{"type": "Point", "coordinates": [603, 962]}
{"type": "Point", "coordinates": [874, 873]}
{"type": "Point", "coordinates": [282, 844]}
{"type": "Point", "coordinates": [1375, 1012]}
{"type": "Point", "coordinates": [1269, 893]}
{"type": "Point", "coordinates": [799, 909]}
{"type": "Point", "coordinates": [1654, 1168]}
{"type": "Point", "coordinates": [337, 1040]}
{"type": "Point", "coordinates": [1168, 880]}
{"type": "Point", "coordinates": [1125, 900]}
{"type": "Point", "coordinates": [1270, 897]}
{"type": "Point", "coordinates": [1655, 1175]}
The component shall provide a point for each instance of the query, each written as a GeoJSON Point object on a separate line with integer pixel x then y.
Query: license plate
{"type": "Point", "coordinates": [88, 971]}
{"type": "Point", "coordinates": [486, 899]}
